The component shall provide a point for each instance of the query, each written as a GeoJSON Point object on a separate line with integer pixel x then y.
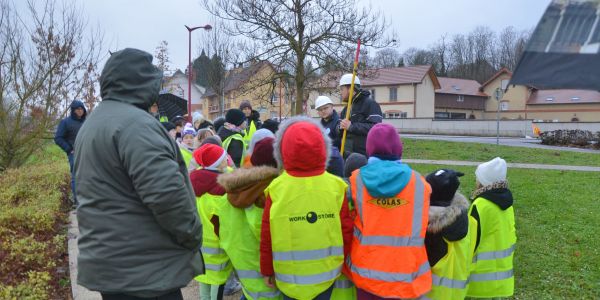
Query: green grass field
{"type": "Point", "coordinates": [558, 253]}
{"type": "Point", "coordinates": [442, 150]}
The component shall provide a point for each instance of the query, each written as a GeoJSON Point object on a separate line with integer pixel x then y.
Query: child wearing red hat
{"type": "Point", "coordinates": [306, 227]}
{"type": "Point", "coordinates": [210, 198]}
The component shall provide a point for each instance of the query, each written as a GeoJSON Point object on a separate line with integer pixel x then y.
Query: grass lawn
{"type": "Point", "coordinates": [558, 252]}
{"type": "Point", "coordinates": [33, 236]}
{"type": "Point", "coordinates": [443, 150]}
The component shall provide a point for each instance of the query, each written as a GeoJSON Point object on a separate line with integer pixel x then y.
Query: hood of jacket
{"type": "Point", "coordinates": [205, 181]}
{"type": "Point", "coordinates": [498, 193]}
{"type": "Point", "coordinates": [130, 77]}
{"type": "Point", "coordinates": [302, 148]}
{"type": "Point", "coordinates": [245, 187]}
{"type": "Point", "coordinates": [443, 217]}
{"type": "Point", "coordinates": [77, 104]}
{"type": "Point", "coordinates": [254, 116]}
{"type": "Point", "coordinates": [385, 178]}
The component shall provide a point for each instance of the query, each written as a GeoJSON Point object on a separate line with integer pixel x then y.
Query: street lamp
{"type": "Point", "coordinates": [206, 27]}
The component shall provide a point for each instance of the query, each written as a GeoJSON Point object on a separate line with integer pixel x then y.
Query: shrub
{"type": "Point", "coordinates": [33, 209]}
{"type": "Point", "coordinates": [567, 137]}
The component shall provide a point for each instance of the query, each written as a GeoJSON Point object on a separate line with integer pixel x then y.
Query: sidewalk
{"type": "Point", "coordinates": [190, 292]}
{"type": "Point", "coordinates": [510, 165]}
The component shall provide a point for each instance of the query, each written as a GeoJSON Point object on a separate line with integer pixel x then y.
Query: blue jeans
{"type": "Point", "coordinates": [71, 158]}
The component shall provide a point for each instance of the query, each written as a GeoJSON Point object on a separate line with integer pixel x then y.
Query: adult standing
{"type": "Point", "coordinates": [140, 230]}
{"type": "Point", "coordinates": [252, 120]}
{"type": "Point", "coordinates": [364, 115]}
{"type": "Point", "coordinates": [67, 132]}
{"type": "Point", "coordinates": [329, 119]}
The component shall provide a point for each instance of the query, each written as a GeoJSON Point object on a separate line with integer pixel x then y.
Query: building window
{"type": "Point", "coordinates": [461, 98]}
{"type": "Point", "coordinates": [549, 99]}
{"type": "Point", "coordinates": [450, 115]}
{"type": "Point", "coordinates": [396, 115]}
{"type": "Point", "coordinates": [504, 106]}
{"type": "Point", "coordinates": [373, 94]}
{"type": "Point", "coordinates": [274, 115]}
{"type": "Point", "coordinates": [394, 94]}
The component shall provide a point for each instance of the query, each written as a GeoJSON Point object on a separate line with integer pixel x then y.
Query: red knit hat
{"type": "Point", "coordinates": [262, 155]}
{"type": "Point", "coordinates": [209, 156]}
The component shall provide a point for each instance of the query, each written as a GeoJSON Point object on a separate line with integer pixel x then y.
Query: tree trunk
{"type": "Point", "coordinates": [299, 86]}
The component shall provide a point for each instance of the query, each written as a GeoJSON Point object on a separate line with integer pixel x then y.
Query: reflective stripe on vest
{"type": "Point", "coordinates": [237, 227]}
{"type": "Point", "coordinates": [494, 254]}
{"type": "Point", "coordinates": [210, 250]}
{"type": "Point", "coordinates": [447, 282]}
{"type": "Point", "coordinates": [389, 276]}
{"type": "Point", "coordinates": [342, 284]}
{"type": "Point", "coordinates": [306, 234]}
{"type": "Point", "coordinates": [492, 268]}
{"type": "Point", "coordinates": [391, 241]}
{"type": "Point", "coordinates": [491, 276]}
{"type": "Point", "coordinates": [309, 279]}
{"type": "Point", "coordinates": [308, 254]}
{"type": "Point", "coordinates": [418, 208]}
{"type": "Point", "coordinates": [373, 245]}
{"type": "Point", "coordinates": [214, 267]}
{"type": "Point", "coordinates": [216, 261]}
{"type": "Point", "coordinates": [450, 275]}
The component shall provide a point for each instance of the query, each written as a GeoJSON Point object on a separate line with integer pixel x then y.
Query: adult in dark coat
{"type": "Point", "coordinates": [67, 132]}
{"type": "Point", "coordinates": [364, 115]}
{"type": "Point", "coordinates": [140, 233]}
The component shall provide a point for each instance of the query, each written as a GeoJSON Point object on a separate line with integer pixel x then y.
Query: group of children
{"type": "Point", "coordinates": [288, 229]}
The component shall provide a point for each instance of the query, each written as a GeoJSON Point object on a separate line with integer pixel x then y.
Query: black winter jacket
{"type": "Point", "coordinates": [364, 115]}
{"type": "Point", "coordinates": [450, 223]}
{"type": "Point", "coordinates": [69, 128]}
{"type": "Point", "coordinates": [332, 128]}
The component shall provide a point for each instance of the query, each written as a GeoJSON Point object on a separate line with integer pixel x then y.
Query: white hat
{"type": "Point", "coordinates": [492, 171]}
{"type": "Point", "coordinates": [347, 80]}
{"type": "Point", "coordinates": [322, 100]}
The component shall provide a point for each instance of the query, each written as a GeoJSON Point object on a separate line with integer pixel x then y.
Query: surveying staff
{"type": "Point", "coordinates": [364, 115]}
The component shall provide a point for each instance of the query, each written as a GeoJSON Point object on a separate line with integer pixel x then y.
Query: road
{"type": "Point", "coordinates": [506, 141]}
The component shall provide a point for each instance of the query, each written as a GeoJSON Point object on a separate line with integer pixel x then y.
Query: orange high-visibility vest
{"type": "Point", "coordinates": [388, 256]}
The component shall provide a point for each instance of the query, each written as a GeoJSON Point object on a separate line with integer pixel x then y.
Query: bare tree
{"type": "Point", "coordinates": [292, 33]}
{"type": "Point", "coordinates": [44, 58]}
{"type": "Point", "coordinates": [162, 56]}
{"type": "Point", "coordinates": [387, 58]}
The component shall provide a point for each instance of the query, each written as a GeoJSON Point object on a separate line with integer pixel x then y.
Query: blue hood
{"type": "Point", "coordinates": [385, 178]}
{"type": "Point", "coordinates": [77, 104]}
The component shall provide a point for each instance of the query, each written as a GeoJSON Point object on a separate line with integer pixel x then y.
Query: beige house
{"type": "Point", "coordinates": [254, 83]}
{"type": "Point", "coordinates": [522, 102]}
{"type": "Point", "coordinates": [404, 92]}
{"type": "Point", "coordinates": [178, 86]}
{"type": "Point", "coordinates": [459, 99]}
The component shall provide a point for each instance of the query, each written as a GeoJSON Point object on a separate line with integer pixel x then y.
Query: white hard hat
{"type": "Point", "coordinates": [347, 80]}
{"type": "Point", "coordinates": [321, 101]}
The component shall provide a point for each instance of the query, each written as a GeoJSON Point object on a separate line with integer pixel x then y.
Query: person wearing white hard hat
{"type": "Point", "coordinates": [364, 115]}
{"type": "Point", "coordinates": [492, 272]}
{"type": "Point", "coordinates": [329, 119]}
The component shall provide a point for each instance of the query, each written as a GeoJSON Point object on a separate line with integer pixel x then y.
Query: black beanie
{"type": "Point", "coordinates": [354, 162]}
{"type": "Point", "coordinates": [235, 117]}
{"type": "Point", "coordinates": [444, 184]}
{"type": "Point", "coordinates": [168, 125]}
{"type": "Point", "coordinates": [271, 125]}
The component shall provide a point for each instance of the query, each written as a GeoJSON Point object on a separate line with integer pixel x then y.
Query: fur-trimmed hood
{"type": "Point", "coordinates": [245, 187]}
{"type": "Point", "coordinates": [442, 217]}
{"type": "Point", "coordinates": [307, 156]}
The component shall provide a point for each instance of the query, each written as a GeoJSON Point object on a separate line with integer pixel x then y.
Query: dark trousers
{"type": "Point", "coordinates": [174, 295]}
{"type": "Point", "coordinates": [326, 295]}
{"type": "Point", "coordinates": [71, 158]}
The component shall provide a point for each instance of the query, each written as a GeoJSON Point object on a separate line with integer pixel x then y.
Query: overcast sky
{"type": "Point", "coordinates": [143, 24]}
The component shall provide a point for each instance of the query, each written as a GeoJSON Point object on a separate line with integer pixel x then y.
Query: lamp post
{"type": "Point", "coordinates": [189, 103]}
{"type": "Point", "coordinates": [498, 95]}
